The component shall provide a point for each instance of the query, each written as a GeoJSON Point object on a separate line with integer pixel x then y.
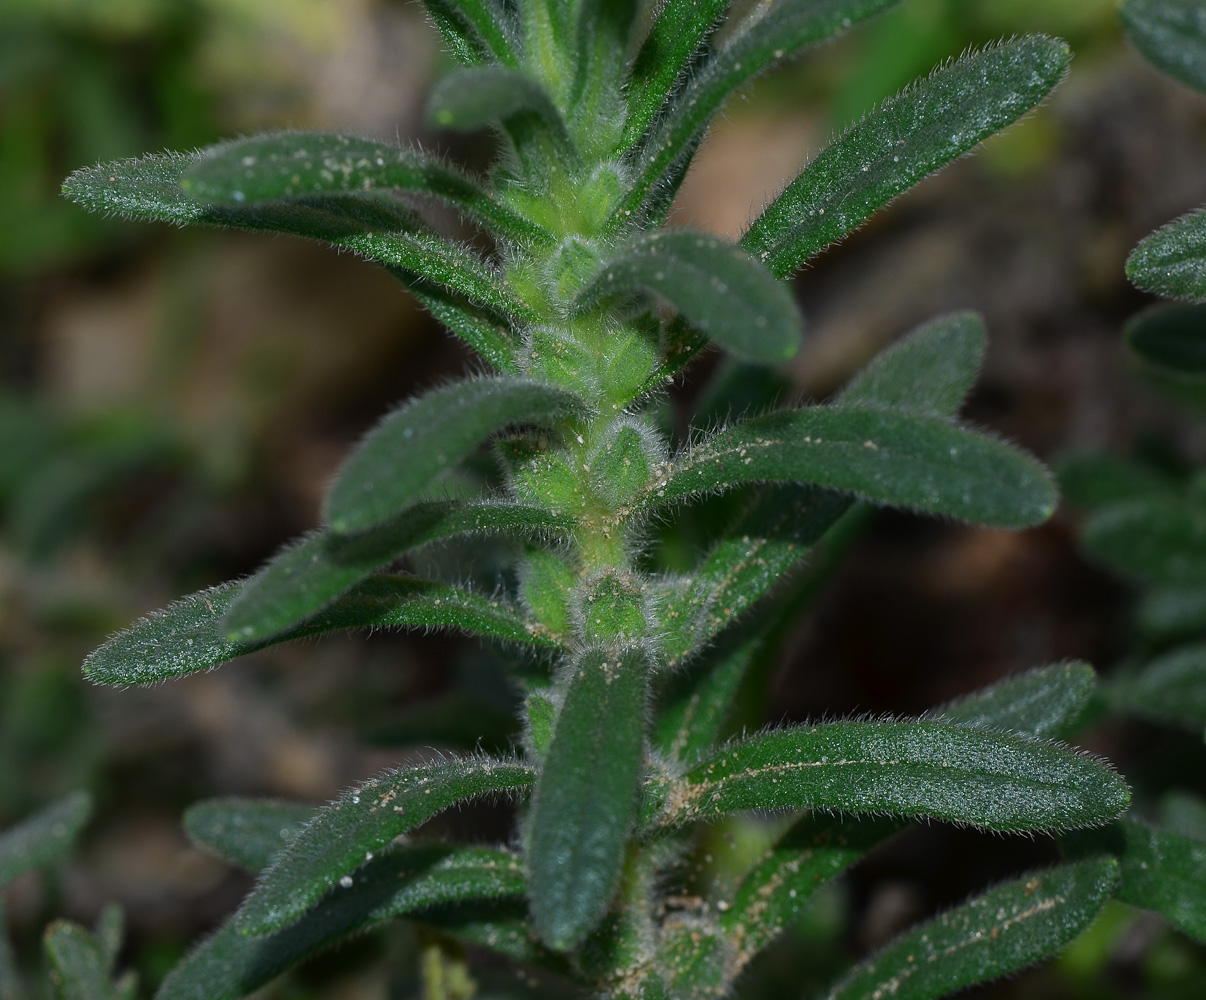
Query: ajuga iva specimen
{"type": "Point", "coordinates": [582, 313]}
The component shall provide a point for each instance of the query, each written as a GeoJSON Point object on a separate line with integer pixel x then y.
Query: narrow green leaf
{"type": "Point", "coordinates": [1006, 929]}
{"type": "Point", "coordinates": [77, 965]}
{"type": "Point", "coordinates": [990, 780]}
{"type": "Point", "coordinates": [585, 802]}
{"type": "Point", "coordinates": [470, 99]}
{"type": "Point", "coordinates": [1041, 703]}
{"type": "Point", "coordinates": [299, 165]}
{"type": "Point", "coordinates": [930, 370]}
{"type": "Point", "coordinates": [487, 335]}
{"type": "Point", "coordinates": [1161, 870]}
{"type": "Point", "coordinates": [1171, 339]}
{"type": "Point", "coordinates": [246, 832]}
{"type": "Point", "coordinates": [307, 576]}
{"type": "Point", "coordinates": [596, 105]}
{"type": "Point", "coordinates": [1171, 688]}
{"type": "Point", "coordinates": [773, 534]}
{"type": "Point", "coordinates": [719, 289]}
{"type": "Point", "coordinates": [149, 188]}
{"type": "Point", "coordinates": [1172, 260]}
{"type": "Point", "coordinates": [690, 726]}
{"type": "Point", "coordinates": [1171, 34]}
{"type": "Point", "coordinates": [660, 159]}
{"type": "Point", "coordinates": [343, 836]}
{"type": "Point", "coordinates": [901, 142]}
{"type": "Point", "coordinates": [887, 457]}
{"type": "Point", "coordinates": [1158, 541]}
{"type": "Point", "coordinates": [190, 634]}
{"type": "Point", "coordinates": [11, 987]}
{"type": "Point", "coordinates": [501, 926]}
{"type": "Point", "coordinates": [110, 934]}
{"type": "Point", "coordinates": [676, 39]}
{"type": "Point", "coordinates": [814, 850]}
{"type": "Point", "coordinates": [475, 30]}
{"type": "Point", "coordinates": [230, 965]}
{"type": "Point", "coordinates": [44, 837]}
{"type": "Point", "coordinates": [416, 443]}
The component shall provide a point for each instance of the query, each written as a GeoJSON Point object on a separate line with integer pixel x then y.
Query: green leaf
{"type": "Point", "coordinates": [246, 832]}
{"type": "Point", "coordinates": [659, 161]}
{"type": "Point", "coordinates": [1041, 703]}
{"type": "Point", "coordinates": [284, 166]}
{"type": "Point", "coordinates": [930, 370]}
{"type": "Point", "coordinates": [149, 188]}
{"type": "Point", "coordinates": [677, 37]}
{"type": "Point", "coordinates": [596, 105]}
{"type": "Point", "coordinates": [719, 289]}
{"type": "Point", "coordinates": [230, 965]}
{"type": "Point", "coordinates": [474, 325]}
{"type": "Point", "coordinates": [422, 439]}
{"type": "Point", "coordinates": [990, 780]}
{"type": "Point", "coordinates": [773, 534]}
{"type": "Point", "coordinates": [110, 933]}
{"type": "Point", "coordinates": [1171, 688]}
{"type": "Point", "coordinates": [1011, 926]}
{"type": "Point", "coordinates": [691, 725]}
{"type": "Point", "coordinates": [814, 850]}
{"type": "Point", "coordinates": [77, 965]}
{"type": "Point", "coordinates": [888, 457]}
{"type": "Point", "coordinates": [343, 836]}
{"type": "Point", "coordinates": [1171, 34]}
{"type": "Point", "coordinates": [500, 926]}
{"type": "Point", "coordinates": [1161, 870]}
{"type": "Point", "coordinates": [1172, 260]}
{"type": "Point", "coordinates": [471, 99]}
{"type": "Point", "coordinates": [1158, 541]}
{"type": "Point", "coordinates": [475, 30]}
{"type": "Point", "coordinates": [190, 634]}
{"type": "Point", "coordinates": [1171, 339]}
{"type": "Point", "coordinates": [586, 799]}
{"type": "Point", "coordinates": [307, 576]}
{"type": "Point", "coordinates": [44, 837]}
{"type": "Point", "coordinates": [901, 142]}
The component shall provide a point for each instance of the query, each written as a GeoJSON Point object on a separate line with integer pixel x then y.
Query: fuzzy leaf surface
{"type": "Point", "coordinates": [307, 576]}
{"type": "Point", "coordinates": [586, 800]}
{"type": "Point", "coordinates": [720, 290]}
{"type": "Point", "coordinates": [814, 850]}
{"type": "Point", "coordinates": [1006, 929]}
{"type": "Point", "coordinates": [1171, 338]}
{"type": "Point", "coordinates": [930, 370]}
{"type": "Point", "coordinates": [77, 964]}
{"type": "Point", "coordinates": [230, 965]}
{"type": "Point", "coordinates": [681, 28]}
{"type": "Point", "coordinates": [287, 165]}
{"type": "Point", "coordinates": [475, 30]}
{"type": "Point", "coordinates": [1172, 260]}
{"type": "Point", "coordinates": [819, 847]}
{"type": "Point", "coordinates": [148, 188]}
{"type": "Point", "coordinates": [1171, 688]}
{"type": "Point", "coordinates": [888, 457]}
{"type": "Point", "coordinates": [190, 634]}
{"type": "Point", "coordinates": [246, 832]}
{"type": "Point", "coordinates": [416, 443]}
{"type": "Point", "coordinates": [1161, 870]}
{"type": "Point", "coordinates": [1043, 703]}
{"type": "Point", "coordinates": [1171, 34]}
{"type": "Point", "coordinates": [901, 142]}
{"type": "Point", "coordinates": [43, 837]}
{"type": "Point", "coordinates": [343, 835]}
{"type": "Point", "coordinates": [1158, 541]}
{"type": "Point", "coordinates": [989, 780]}
{"type": "Point", "coordinates": [785, 29]}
